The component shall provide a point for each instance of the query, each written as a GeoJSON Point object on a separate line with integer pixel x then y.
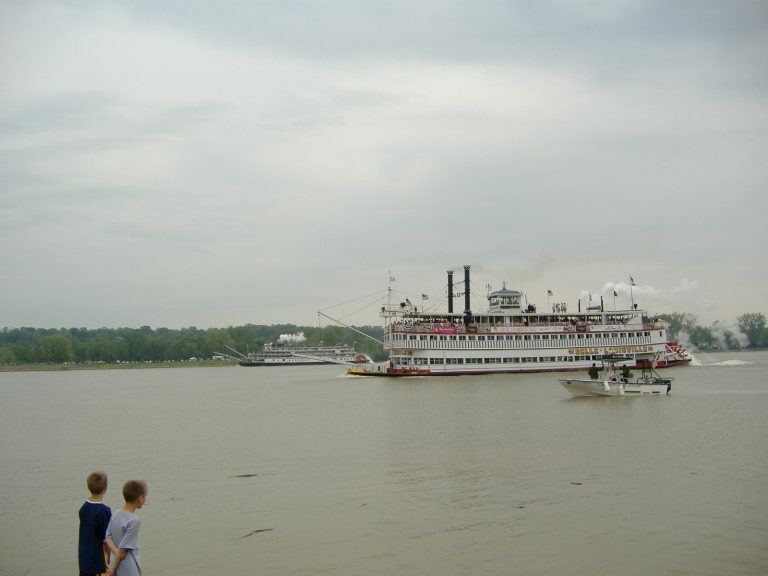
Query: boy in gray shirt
{"type": "Point", "coordinates": [123, 531]}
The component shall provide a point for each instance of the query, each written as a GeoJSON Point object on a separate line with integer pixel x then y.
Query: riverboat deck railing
{"type": "Point", "coordinates": [407, 325]}
{"type": "Point", "coordinates": [612, 341]}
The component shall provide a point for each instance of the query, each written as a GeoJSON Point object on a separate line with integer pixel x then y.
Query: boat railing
{"type": "Point", "coordinates": [413, 327]}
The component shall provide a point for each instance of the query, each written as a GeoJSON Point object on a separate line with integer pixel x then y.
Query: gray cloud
{"type": "Point", "coordinates": [255, 162]}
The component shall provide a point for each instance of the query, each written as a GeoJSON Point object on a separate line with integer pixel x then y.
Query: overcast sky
{"type": "Point", "coordinates": [189, 163]}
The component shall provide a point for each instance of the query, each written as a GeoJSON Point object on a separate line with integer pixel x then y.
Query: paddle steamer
{"type": "Point", "coordinates": [510, 337]}
{"type": "Point", "coordinates": [285, 355]}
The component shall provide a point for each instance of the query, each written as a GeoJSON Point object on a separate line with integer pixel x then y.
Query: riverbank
{"type": "Point", "coordinates": [115, 365]}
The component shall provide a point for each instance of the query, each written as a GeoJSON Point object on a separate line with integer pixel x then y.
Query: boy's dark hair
{"type": "Point", "coordinates": [133, 489]}
{"type": "Point", "coordinates": [97, 481]}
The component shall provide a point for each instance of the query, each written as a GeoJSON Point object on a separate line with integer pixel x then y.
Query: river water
{"type": "Point", "coordinates": [490, 475]}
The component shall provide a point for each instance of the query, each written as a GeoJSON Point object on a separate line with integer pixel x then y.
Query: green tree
{"type": "Point", "coordinates": [702, 337]}
{"type": "Point", "coordinates": [105, 347]}
{"type": "Point", "coordinates": [7, 356]}
{"type": "Point", "coordinates": [137, 345]}
{"type": "Point", "coordinates": [679, 322]}
{"type": "Point", "coordinates": [56, 348]}
{"type": "Point", "coordinates": [752, 325]}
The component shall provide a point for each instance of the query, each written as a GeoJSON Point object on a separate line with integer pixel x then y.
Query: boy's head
{"type": "Point", "coordinates": [135, 492]}
{"type": "Point", "coordinates": [97, 482]}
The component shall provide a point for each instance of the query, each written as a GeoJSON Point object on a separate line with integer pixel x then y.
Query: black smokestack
{"type": "Point", "coordinates": [450, 291]}
{"type": "Point", "coordinates": [467, 310]}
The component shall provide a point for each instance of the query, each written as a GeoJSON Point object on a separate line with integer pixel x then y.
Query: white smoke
{"type": "Point", "coordinates": [685, 296]}
{"type": "Point", "coordinates": [725, 336]}
{"type": "Point", "coordinates": [721, 329]}
{"type": "Point", "coordinates": [291, 338]}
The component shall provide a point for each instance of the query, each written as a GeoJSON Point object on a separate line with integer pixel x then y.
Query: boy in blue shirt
{"type": "Point", "coordinates": [94, 518]}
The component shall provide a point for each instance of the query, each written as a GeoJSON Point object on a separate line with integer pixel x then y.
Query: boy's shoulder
{"type": "Point", "coordinates": [95, 508]}
{"type": "Point", "coordinates": [124, 517]}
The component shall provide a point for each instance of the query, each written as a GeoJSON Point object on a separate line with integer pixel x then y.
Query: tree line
{"type": "Point", "coordinates": [145, 344]}
{"type": "Point", "coordinates": [750, 331]}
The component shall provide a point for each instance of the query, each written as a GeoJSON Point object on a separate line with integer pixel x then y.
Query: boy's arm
{"type": "Point", "coordinates": [110, 544]}
{"type": "Point", "coordinates": [116, 554]}
{"type": "Point", "coordinates": [113, 549]}
{"type": "Point", "coordinates": [116, 558]}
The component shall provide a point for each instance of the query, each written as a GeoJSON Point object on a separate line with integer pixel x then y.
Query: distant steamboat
{"type": "Point", "coordinates": [510, 338]}
{"type": "Point", "coordinates": [286, 355]}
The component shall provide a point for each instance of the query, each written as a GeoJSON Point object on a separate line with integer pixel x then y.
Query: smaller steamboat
{"type": "Point", "coordinates": [283, 355]}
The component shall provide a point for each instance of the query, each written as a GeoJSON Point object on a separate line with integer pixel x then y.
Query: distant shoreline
{"type": "Point", "coordinates": [116, 366]}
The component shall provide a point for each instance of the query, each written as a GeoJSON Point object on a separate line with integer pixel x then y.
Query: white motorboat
{"type": "Point", "coordinates": [614, 379]}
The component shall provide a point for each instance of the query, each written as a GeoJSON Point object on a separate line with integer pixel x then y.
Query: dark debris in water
{"type": "Point", "coordinates": [252, 532]}
{"type": "Point", "coordinates": [243, 476]}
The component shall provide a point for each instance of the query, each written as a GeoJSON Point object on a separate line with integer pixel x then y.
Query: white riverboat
{"type": "Point", "coordinates": [510, 337]}
{"type": "Point", "coordinates": [615, 379]}
{"type": "Point", "coordinates": [286, 355]}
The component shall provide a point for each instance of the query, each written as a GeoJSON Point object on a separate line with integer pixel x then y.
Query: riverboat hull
{"type": "Point", "coordinates": [387, 373]}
